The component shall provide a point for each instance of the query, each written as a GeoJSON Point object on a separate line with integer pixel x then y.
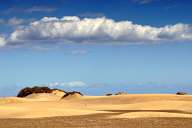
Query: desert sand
{"type": "Point", "coordinates": [131, 110]}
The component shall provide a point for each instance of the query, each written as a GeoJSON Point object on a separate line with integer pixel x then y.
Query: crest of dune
{"type": "Point", "coordinates": [43, 97]}
{"type": "Point", "coordinates": [58, 92]}
{"type": "Point", "coordinates": [72, 95]}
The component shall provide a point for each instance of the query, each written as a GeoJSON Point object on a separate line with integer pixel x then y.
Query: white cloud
{"type": "Point", "coordinates": [68, 84]}
{"type": "Point", "coordinates": [97, 30]}
{"type": "Point", "coordinates": [2, 41]}
{"type": "Point", "coordinates": [15, 21]}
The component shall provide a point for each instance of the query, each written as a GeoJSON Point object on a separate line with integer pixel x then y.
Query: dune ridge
{"type": "Point", "coordinates": [128, 106]}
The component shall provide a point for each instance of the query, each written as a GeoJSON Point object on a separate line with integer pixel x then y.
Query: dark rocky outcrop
{"type": "Point", "coordinates": [181, 93]}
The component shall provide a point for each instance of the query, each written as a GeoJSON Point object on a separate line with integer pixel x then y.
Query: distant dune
{"type": "Point", "coordinates": [121, 107]}
{"type": "Point", "coordinates": [130, 105]}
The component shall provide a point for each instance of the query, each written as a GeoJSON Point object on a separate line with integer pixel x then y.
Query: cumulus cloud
{"type": "Point", "coordinates": [97, 30]}
{"type": "Point", "coordinates": [2, 40]}
{"type": "Point", "coordinates": [15, 22]}
{"type": "Point", "coordinates": [68, 84]}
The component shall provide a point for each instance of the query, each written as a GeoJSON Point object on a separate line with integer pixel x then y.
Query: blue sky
{"type": "Point", "coordinates": [96, 46]}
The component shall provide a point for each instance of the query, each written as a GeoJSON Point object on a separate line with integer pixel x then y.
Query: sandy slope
{"type": "Point", "coordinates": [125, 106]}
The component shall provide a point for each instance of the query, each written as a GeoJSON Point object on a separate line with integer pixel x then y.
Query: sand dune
{"type": "Point", "coordinates": [128, 106]}
{"type": "Point", "coordinates": [72, 96]}
{"type": "Point", "coordinates": [132, 110]}
{"type": "Point", "coordinates": [43, 97]}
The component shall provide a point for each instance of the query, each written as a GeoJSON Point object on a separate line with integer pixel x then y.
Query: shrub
{"type": "Point", "coordinates": [27, 91]}
{"type": "Point", "coordinates": [121, 93]}
{"type": "Point", "coordinates": [72, 93]}
{"type": "Point", "coordinates": [181, 93]}
{"type": "Point", "coordinates": [109, 94]}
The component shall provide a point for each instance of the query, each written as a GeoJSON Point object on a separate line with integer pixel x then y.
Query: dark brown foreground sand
{"type": "Point", "coordinates": [96, 121]}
